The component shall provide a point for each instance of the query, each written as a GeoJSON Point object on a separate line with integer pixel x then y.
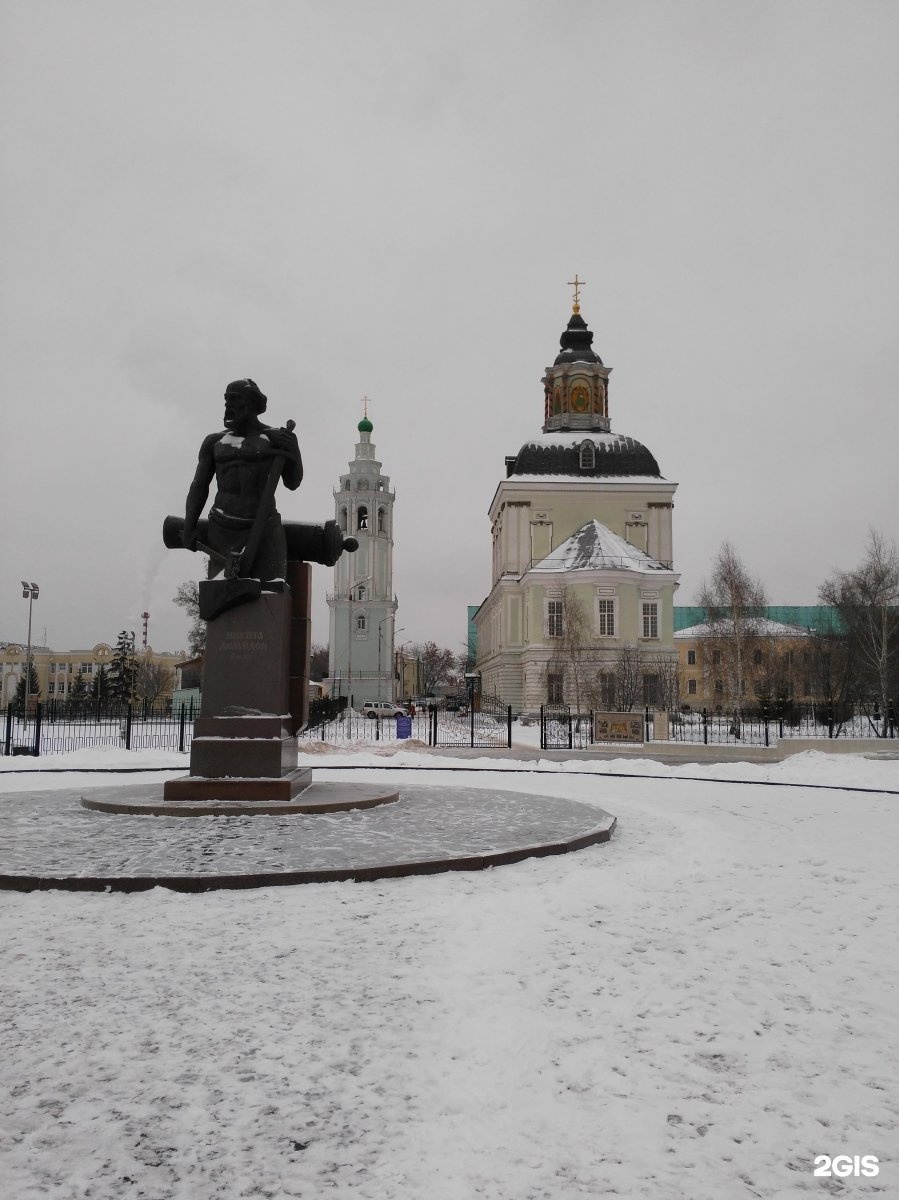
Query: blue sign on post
{"type": "Point", "coordinates": [403, 727]}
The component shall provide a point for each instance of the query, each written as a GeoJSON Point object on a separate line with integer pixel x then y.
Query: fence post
{"type": "Point", "coordinates": [471, 722]}
{"type": "Point", "coordinates": [181, 725]}
{"type": "Point", "coordinates": [542, 730]}
{"type": "Point", "coordinates": [705, 726]}
{"type": "Point", "coordinates": [7, 742]}
{"type": "Point", "coordinates": [830, 720]}
{"type": "Point", "coordinates": [765, 722]}
{"type": "Point", "coordinates": [38, 713]}
{"type": "Point", "coordinates": [509, 726]}
{"type": "Point", "coordinates": [891, 716]}
{"type": "Point", "coordinates": [128, 727]}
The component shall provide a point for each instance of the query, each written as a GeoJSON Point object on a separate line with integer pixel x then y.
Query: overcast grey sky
{"type": "Point", "coordinates": [341, 199]}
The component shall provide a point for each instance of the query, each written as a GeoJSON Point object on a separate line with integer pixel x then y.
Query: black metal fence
{"type": "Point", "coordinates": [344, 725]}
{"type": "Point", "coordinates": [487, 724]}
{"type": "Point", "coordinates": [562, 729]}
{"type": "Point", "coordinates": [57, 727]}
{"type": "Point", "coordinates": [764, 727]}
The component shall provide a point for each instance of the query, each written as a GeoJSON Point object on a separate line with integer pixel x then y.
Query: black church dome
{"type": "Point", "coordinates": [582, 454]}
{"type": "Point", "coordinates": [577, 343]}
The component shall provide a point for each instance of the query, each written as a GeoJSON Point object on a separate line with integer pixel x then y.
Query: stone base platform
{"type": "Point", "coordinates": [314, 798]}
{"type": "Point", "coordinates": [201, 789]}
{"type": "Point", "coordinates": [67, 838]}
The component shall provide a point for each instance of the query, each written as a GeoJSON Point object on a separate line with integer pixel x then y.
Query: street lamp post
{"type": "Point", "coordinates": [381, 671]}
{"type": "Point", "coordinates": [30, 592]}
{"type": "Point", "coordinates": [399, 664]}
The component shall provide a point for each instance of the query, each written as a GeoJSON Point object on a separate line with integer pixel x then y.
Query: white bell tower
{"type": "Point", "coordinates": [362, 606]}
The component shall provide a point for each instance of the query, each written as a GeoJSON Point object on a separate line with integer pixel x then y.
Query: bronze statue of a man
{"type": "Point", "coordinates": [247, 460]}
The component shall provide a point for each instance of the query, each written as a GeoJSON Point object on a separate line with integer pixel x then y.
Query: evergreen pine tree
{"type": "Point", "coordinates": [99, 687]}
{"type": "Point", "coordinates": [34, 691]}
{"type": "Point", "coordinates": [77, 692]}
{"type": "Point", "coordinates": [122, 668]}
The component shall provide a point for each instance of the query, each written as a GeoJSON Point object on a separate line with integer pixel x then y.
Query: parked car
{"type": "Point", "coordinates": [381, 708]}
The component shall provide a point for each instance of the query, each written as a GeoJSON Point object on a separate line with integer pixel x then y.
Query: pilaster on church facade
{"type": "Point", "coordinates": [581, 531]}
{"type": "Point", "coordinates": [362, 605]}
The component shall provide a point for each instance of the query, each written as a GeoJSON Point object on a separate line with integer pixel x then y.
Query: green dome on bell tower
{"type": "Point", "coordinates": [365, 426]}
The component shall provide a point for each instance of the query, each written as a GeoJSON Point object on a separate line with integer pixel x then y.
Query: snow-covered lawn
{"type": "Point", "coordinates": [695, 1010]}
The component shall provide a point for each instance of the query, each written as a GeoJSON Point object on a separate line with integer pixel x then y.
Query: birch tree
{"type": "Point", "coordinates": [867, 600]}
{"type": "Point", "coordinates": [734, 603]}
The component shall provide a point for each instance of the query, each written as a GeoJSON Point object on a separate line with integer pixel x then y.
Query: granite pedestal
{"type": "Point", "coordinates": [244, 746]}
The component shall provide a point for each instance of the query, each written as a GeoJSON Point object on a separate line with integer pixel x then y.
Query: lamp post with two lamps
{"type": "Point", "coordinates": [30, 592]}
{"type": "Point", "coordinates": [381, 671]}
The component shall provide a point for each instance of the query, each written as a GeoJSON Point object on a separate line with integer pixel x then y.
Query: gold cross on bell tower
{"type": "Point", "coordinates": [577, 284]}
{"type": "Point", "coordinates": [364, 403]}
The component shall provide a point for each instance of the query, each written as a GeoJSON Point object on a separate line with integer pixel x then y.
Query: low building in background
{"type": "Point", "coordinates": [773, 664]}
{"type": "Point", "coordinates": [58, 671]}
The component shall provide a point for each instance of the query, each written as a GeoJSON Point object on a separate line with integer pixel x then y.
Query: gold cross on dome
{"type": "Point", "coordinates": [577, 284]}
{"type": "Point", "coordinates": [364, 403]}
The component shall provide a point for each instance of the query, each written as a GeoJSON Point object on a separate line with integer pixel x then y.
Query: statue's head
{"type": "Point", "coordinates": [246, 390]}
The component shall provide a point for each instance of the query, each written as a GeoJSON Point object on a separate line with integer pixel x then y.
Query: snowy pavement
{"type": "Point", "coordinates": [696, 1009]}
{"type": "Point", "coordinates": [443, 822]}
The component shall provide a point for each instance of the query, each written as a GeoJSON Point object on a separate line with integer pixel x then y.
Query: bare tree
{"type": "Point", "coordinates": [188, 598]}
{"type": "Point", "coordinates": [318, 663]}
{"type": "Point", "coordinates": [628, 678]}
{"type": "Point", "coordinates": [435, 666]}
{"type": "Point", "coordinates": [666, 669]}
{"type": "Point", "coordinates": [153, 680]}
{"type": "Point", "coordinates": [867, 600]}
{"type": "Point", "coordinates": [571, 657]}
{"type": "Point", "coordinates": [734, 603]}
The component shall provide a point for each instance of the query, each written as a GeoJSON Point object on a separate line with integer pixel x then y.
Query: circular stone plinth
{"type": "Point", "coordinates": [52, 841]}
{"type": "Point", "coordinates": [316, 799]}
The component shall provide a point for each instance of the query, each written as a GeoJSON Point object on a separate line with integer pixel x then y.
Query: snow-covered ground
{"type": "Point", "coordinates": [696, 1009]}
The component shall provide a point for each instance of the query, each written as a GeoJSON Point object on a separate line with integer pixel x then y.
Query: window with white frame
{"type": "Point", "coordinates": [650, 618]}
{"type": "Point", "coordinates": [555, 619]}
{"type": "Point", "coordinates": [555, 688]}
{"type": "Point", "coordinates": [605, 617]}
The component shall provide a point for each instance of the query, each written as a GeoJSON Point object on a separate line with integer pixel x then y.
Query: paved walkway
{"type": "Point", "coordinates": [51, 840]}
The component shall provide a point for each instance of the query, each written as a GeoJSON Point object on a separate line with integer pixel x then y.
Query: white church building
{"type": "Point", "coordinates": [362, 606]}
{"type": "Point", "coordinates": [583, 573]}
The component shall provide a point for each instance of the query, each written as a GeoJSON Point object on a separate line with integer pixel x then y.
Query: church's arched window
{"type": "Point", "coordinates": [382, 521]}
{"type": "Point", "coordinates": [343, 520]}
{"type": "Point", "coordinates": [360, 592]}
{"type": "Point", "coordinates": [360, 623]}
{"type": "Point", "coordinates": [588, 456]}
{"type": "Point", "coordinates": [362, 517]}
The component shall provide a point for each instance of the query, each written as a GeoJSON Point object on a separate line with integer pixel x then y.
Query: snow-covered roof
{"type": "Point", "coordinates": [558, 453]}
{"type": "Point", "coordinates": [594, 547]}
{"type": "Point", "coordinates": [606, 480]}
{"type": "Point", "coordinates": [601, 439]}
{"type": "Point", "coordinates": [757, 626]}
